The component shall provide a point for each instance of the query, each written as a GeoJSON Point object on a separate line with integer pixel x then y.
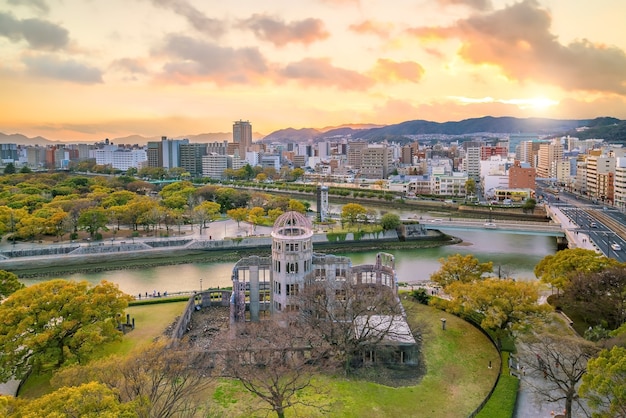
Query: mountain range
{"type": "Point", "coordinates": [611, 129]}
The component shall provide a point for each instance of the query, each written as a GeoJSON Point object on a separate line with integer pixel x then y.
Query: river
{"type": "Point", "coordinates": [514, 255]}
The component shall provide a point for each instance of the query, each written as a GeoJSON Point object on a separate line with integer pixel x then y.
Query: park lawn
{"type": "Point", "coordinates": [502, 401]}
{"type": "Point", "coordinates": [150, 323]}
{"type": "Point", "coordinates": [457, 375]}
{"type": "Point", "coordinates": [457, 379]}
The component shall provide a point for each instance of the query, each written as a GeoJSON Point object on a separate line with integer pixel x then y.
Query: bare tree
{"type": "Point", "coordinates": [274, 360]}
{"type": "Point", "coordinates": [554, 366]}
{"type": "Point", "coordinates": [163, 382]}
{"type": "Point", "coordinates": [357, 321]}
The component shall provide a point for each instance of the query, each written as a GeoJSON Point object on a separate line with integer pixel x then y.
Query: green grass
{"type": "Point", "coordinates": [150, 323]}
{"type": "Point", "coordinates": [502, 401]}
{"type": "Point", "coordinates": [456, 381]}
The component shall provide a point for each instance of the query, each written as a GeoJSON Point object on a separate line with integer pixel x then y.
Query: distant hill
{"type": "Point", "coordinates": [487, 124]}
{"type": "Point", "coordinates": [398, 132]}
{"type": "Point", "coordinates": [20, 139]}
{"type": "Point", "coordinates": [611, 129]}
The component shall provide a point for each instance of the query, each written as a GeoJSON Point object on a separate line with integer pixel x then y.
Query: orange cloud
{"type": "Point", "coordinates": [280, 33]}
{"type": "Point", "coordinates": [195, 17]}
{"type": "Point", "coordinates": [382, 30]}
{"type": "Point", "coordinates": [39, 34]}
{"type": "Point", "coordinates": [192, 60]}
{"type": "Point", "coordinates": [474, 4]}
{"type": "Point", "coordinates": [518, 40]}
{"type": "Point", "coordinates": [390, 71]}
{"type": "Point", "coordinates": [319, 72]}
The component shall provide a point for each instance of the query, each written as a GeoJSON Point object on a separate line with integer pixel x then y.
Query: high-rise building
{"type": "Point", "coordinates": [548, 157]}
{"type": "Point", "coordinates": [620, 183]}
{"type": "Point", "coordinates": [600, 177]}
{"type": "Point", "coordinates": [166, 153]}
{"type": "Point", "coordinates": [191, 157]}
{"type": "Point", "coordinates": [354, 153]}
{"type": "Point", "coordinates": [376, 162]}
{"type": "Point", "coordinates": [242, 135]}
{"type": "Point", "coordinates": [472, 162]}
{"type": "Point", "coordinates": [521, 177]}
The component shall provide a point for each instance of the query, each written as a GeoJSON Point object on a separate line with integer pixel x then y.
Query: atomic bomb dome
{"type": "Point", "coordinates": [292, 224]}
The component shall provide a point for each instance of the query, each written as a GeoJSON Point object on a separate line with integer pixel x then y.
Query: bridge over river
{"type": "Point", "coordinates": [513, 227]}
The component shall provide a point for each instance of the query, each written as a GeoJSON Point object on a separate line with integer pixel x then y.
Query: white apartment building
{"type": "Point", "coordinates": [548, 157]}
{"type": "Point", "coordinates": [213, 165]}
{"type": "Point", "coordinates": [599, 176]}
{"type": "Point", "coordinates": [471, 162]}
{"type": "Point", "coordinates": [620, 183]}
{"type": "Point", "coordinates": [580, 180]}
{"type": "Point", "coordinates": [120, 158]}
{"type": "Point", "coordinates": [449, 185]}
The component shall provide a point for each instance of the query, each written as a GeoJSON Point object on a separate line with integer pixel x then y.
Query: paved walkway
{"type": "Point", "coordinates": [528, 405]}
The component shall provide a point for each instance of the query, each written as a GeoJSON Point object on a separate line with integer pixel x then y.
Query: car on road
{"type": "Point", "coordinates": [593, 225]}
{"type": "Point", "coordinates": [490, 225]}
{"type": "Point", "coordinates": [616, 247]}
{"type": "Point", "coordinates": [436, 220]}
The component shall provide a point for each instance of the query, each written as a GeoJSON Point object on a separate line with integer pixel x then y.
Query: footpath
{"type": "Point", "coordinates": [528, 405]}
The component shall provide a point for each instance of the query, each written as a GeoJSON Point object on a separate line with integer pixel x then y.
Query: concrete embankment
{"type": "Point", "coordinates": [54, 260]}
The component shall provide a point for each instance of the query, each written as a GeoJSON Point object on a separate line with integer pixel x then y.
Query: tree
{"type": "Point", "coordinates": [273, 214]}
{"type": "Point", "coordinates": [9, 284]}
{"type": "Point", "coordinates": [597, 297]}
{"type": "Point", "coordinates": [256, 216]}
{"type": "Point", "coordinates": [28, 227]}
{"type": "Point", "coordinates": [499, 303]}
{"type": "Point", "coordinates": [238, 214]}
{"type": "Point", "coordinates": [353, 213]}
{"type": "Point", "coordinates": [470, 186]}
{"type": "Point", "coordinates": [555, 365]}
{"type": "Point", "coordinates": [556, 269]}
{"type": "Point", "coordinates": [206, 211]}
{"type": "Point", "coordinates": [296, 173]}
{"type": "Point", "coordinates": [57, 321]}
{"type": "Point", "coordinates": [604, 384]}
{"type": "Point", "coordinates": [93, 220]}
{"type": "Point", "coordinates": [9, 168]}
{"type": "Point", "coordinates": [229, 198]}
{"type": "Point", "coordinates": [390, 221]}
{"type": "Point", "coordinates": [529, 205]}
{"type": "Point", "coordinates": [352, 319]}
{"type": "Point", "coordinates": [460, 268]}
{"type": "Point", "coordinates": [296, 206]}
{"type": "Point", "coordinates": [160, 381]}
{"type": "Point", "coordinates": [274, 362]}
{"type": "Point", "coordinates": [90, 400]}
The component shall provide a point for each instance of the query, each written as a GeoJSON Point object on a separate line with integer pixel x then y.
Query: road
{"type": "Point", "coordinates": [604, 226]}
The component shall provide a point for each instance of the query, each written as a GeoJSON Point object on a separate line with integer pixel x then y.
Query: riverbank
{"type": "Point", "coordinates": [214, 251]}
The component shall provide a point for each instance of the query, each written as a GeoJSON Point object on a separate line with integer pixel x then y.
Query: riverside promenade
{"type": "Point", "coordinates": [528, 404]}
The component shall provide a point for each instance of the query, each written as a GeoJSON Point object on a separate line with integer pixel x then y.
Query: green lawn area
{"type": "Point", "coordinates": [456, 381]}
{"type": "Point", "coordinates": [502, 401]}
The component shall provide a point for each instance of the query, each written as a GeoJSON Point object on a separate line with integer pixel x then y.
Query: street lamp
{"type": "Point", "coordinates": [201, 285]}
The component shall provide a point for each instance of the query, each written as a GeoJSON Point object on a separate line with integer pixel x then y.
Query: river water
{"type": "Point", "coordinates": [514, 255]}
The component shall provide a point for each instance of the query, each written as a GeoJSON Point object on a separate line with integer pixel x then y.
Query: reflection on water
{"type": "Point", "coordinates": [512, 254]}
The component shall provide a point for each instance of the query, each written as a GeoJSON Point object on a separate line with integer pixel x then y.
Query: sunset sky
{"type": "Point", "coordinates": [90, 69]}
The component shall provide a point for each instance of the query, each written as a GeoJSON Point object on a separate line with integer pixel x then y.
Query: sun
{"type": "Point", "coordinates": [538, 103]}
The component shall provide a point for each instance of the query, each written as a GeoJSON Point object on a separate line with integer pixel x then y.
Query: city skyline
{"type": "Point", "coordinates": [78, 70]}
